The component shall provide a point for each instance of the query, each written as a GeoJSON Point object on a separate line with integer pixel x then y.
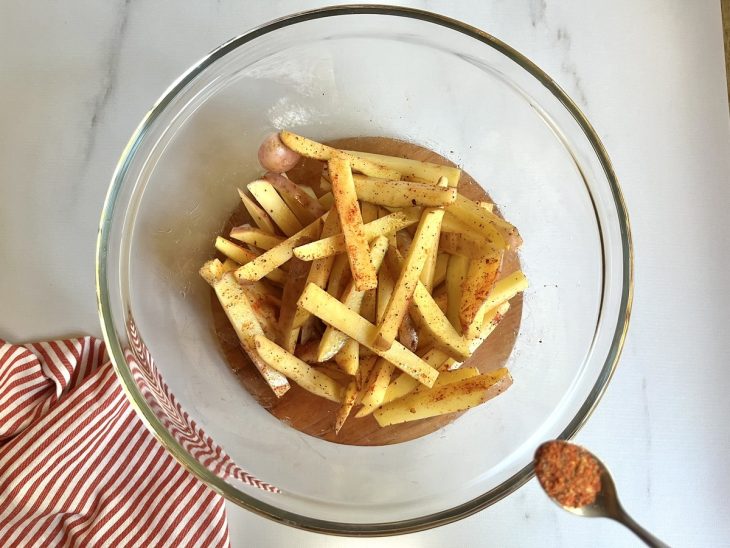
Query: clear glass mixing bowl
{"type": "Point", "coordinates": [348, 71]}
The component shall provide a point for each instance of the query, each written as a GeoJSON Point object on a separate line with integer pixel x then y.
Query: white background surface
{"type": "Point", "coordinates": [78, 76]}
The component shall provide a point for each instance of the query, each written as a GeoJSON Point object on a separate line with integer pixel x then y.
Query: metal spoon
{"type": "Point", "coordinates": [607, 505]}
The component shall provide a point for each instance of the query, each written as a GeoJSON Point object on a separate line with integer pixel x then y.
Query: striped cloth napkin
{"type": "Point", "coordinates": [78, 467]}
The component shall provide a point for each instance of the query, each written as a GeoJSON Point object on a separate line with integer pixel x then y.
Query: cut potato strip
{"type": "Point", "coordinates": [480, 279]}
{"type": "Point", "coordinates": [332, 339]}
{"type": "Point", "coordinates": [377, 386]}
{"type": "Point", "coordinates": [449, 398]}
{"type": "Point", "coordinates": [318, 151]}
{"type": "Point", "coordinates": [255, 237]}
{"type": "Point", "coordinates": [413, 169]}
{"type": "Point", "coordinates": [489, 206]}
{"type": "Point", "coordinates": [295, 369]}
{"type": "Point", "coordinates": [439, 275]}
{"type": "Point", "coordinates": [348, 358]}
{"type": "Point", "coordinates": [258, 215]}
{"type": "Point", "coordinates": [450, 377]}
{"type": "Point", "coordinates": [455, 276]}
{"type": "Point", "coordinates": [238, 309]}
{"type": "Point", "coordinates": [401, 193]}
{"type": "Point", "coordinates": [277, 256]}
{"type": "Point", "coordinates": [363, 374]}
{"type": "Point", "coordinates": [304, 206]}
{"type": "Point", "coordinates": [348, 402]}
{"type": "Point", "coordinates": [272, 203]}
{"type": "Point", "coordinates": [335, 244]}
{"type": "Point", "coordinates": [295, 281]}
{"type": "Point", "coordinates": [435, 321]}
{"type": "Point", "coordinates": [495, 229]}
{"type": "Point", "coordinates": [426, 237]}
{"type": "Point", "coordinates": [429, 269]}
{"type": "Point", "coordinates": [229, 265]}
{"type": "Point", "coordinates": [503, 290]}
{"type": "Point", "coordinates": [244, 256]}
{"type": "Point", "coordinates": [321, 268]}
{"type": "Point", "coordinates": [348, 209]}
{"type": "Point", "coordinates": [337, 315]}
{"type": "Point", "coordinates": [405, 384]}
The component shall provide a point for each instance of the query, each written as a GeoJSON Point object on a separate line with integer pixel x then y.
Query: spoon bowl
{"type": "Point", "coordinates": [606, 503]}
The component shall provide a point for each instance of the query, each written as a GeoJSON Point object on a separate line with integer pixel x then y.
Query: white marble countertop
{"type": "Point", "coordinates": [77, 77]}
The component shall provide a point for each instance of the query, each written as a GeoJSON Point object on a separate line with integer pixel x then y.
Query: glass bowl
{"type": "Point", "coordinates": [350, 71]}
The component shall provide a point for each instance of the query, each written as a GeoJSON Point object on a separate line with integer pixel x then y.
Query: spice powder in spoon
{"type": "Point", "coordinates": [568, 473]}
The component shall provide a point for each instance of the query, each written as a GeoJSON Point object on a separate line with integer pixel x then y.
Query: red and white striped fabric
{"type": "Point", "coordinates": [78, 467]}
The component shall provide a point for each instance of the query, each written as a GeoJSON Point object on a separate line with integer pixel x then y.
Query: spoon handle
{"type": "Point", "coordinates": [639, 531]}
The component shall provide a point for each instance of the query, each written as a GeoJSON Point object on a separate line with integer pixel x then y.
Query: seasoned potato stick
{"type": "Point", "coordinates": [277, 209]}
{"type": "Point", "coordinates": [439, 275]}
{"type": "Point", "coordinates": [449, 398]}
{"type": "Point", "coordinates": [348, 209]}
{"type": "Point", "coordinates": [238, 309]}
{"type": "Point", "coordinates": [401, 193]}
{"type": "Point", "coordinates": [332, 339]}
{"type": "Point", "coordinates": [244, 256]}
{"type": "Point", "coordinates": [450, 377]}
{"type": "Point", "coordinates": [482, 221]}
{"type": "Point", "coordinates": [405, 384]}
{"type": "Point", "coordinates": [348, 402]}
{"type": "Point", "coordinates": [335, 244]}
{"type": "Point", "coordinates": [378, 384]}
{"type": "Point", "coordinates": [278, 255]}
{"type": "Point", "coordinates": [259, 216]}
{"type": "Point", "coordinates": [363, 374]}
{"type": "Point", "coordinates": [321, 268]}
{"type": "Point", "coordinates": [429, 269]}
{"type": "Point", "coordinates": [337, 315]}
{"type": "Point", "coordinates": [503, 290]}
{"type": "Point", "coordinates": [348, 358]}
{"type": "Point", "coordinates": [295, 369]}
{"type": "Point", "coordinates": [435, 321]}
{"type": "Point", "coordinates": [466, 245]}
{"type": "Point", "coordinates": [318, 151]}
{"type": "Point", "coordinates": [480, 279]}
{"type": "Point", "coordinates": [489, 206]}
{"type": "Point", "coordinates": [306, 205]}
{"type": "Point", "coordinates": [255, 237]}
{"type": "Point", "coordinates": [426, 237]}
{"type": "Point", "coordinates": [413, 169]}
{"type": "Point", "coordinates": [455, 276]}
{"type": "Point", "coordinates": [295, 281]}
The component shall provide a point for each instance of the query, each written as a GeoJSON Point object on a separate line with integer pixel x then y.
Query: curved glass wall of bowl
{"type": "Point", "coordinates": [396, 76]}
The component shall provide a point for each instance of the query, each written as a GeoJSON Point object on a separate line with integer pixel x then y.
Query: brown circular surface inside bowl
{"type": "Point", "coordinates": [316, 416]}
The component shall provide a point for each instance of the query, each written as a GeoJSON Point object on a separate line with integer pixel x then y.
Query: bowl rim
{"type": "Point", "coordinates": [219, 485]}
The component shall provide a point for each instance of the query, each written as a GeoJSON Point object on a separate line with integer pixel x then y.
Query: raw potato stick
{"type": "Point", "coordinates": [317, 151]}
{"type": "Point", "coordinates": [335, 243]}
{"type": "Point", "coordinates": [332, 339]}
{"type": "Point", "coordinates": [413, 169]}
{"type": "Point", "coordinates": [455, 276]}
{"type": "Point", "coordinates": [286, 187]}
{"type": "Point", "coordinates": [480, 279]}
{"type": "Point", "coordinates": [255, 237]}
{"type": "Point", "coordinates": [348, 358]}
{"type": "Point", "coordinates": [503, 290]}
{"type": "Point", "coordinates": [449, 398]}
{"type": "Point", "coordinates": [426, 237]}
{"type": "Point", "coordinates": [348, 402]}
{"type": "Point", "coordinates": [377, 385]}
{"type": "Point", "coordinates": [348, 209]}
{"type": "Point", "coordinates": [277, 209]}
{"type": "Point", "coordinates": [238, 309]}
{"type": "Point", "coordinates": [259, 216]}
{"type": "Point", "coordinates": [277, 256]}
{"type": "Point", "coordinates": [401, 193]}
{"type": "Point", "coordinates": [292, 367]}
{"type": "Point", "coordinates": [336, 314]}
{"type": "Point", "coordinates": [244, 256]}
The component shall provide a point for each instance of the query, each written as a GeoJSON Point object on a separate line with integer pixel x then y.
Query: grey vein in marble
{"type": "Point", "coordinates": [111, 64]}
